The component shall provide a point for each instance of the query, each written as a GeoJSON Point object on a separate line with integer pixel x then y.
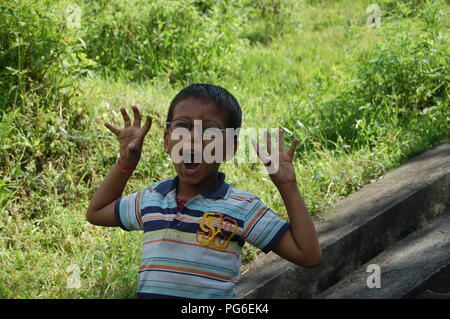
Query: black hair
{"type": "Point", "coordinates": [221, 98]}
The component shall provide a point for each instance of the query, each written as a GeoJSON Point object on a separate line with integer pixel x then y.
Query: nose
{"type": "Point", "coordinates": [193, 143]}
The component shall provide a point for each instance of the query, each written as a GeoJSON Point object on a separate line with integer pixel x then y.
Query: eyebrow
{"type": "Point", "coordinates": [203, 121]}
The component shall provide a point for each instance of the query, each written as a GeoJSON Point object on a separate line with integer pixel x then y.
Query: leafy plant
{"type": "Point", "coordinates": [38, 54]}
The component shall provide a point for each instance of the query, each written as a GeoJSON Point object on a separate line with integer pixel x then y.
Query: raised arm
{"type": "Point", "coordinates": [299, 244]}
{"type": "Point", "coordinates": [131, 139]}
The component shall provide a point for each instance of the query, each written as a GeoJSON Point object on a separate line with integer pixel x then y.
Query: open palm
{"type": "Point", "coordinates": [131, 137]}
{"type": "Point", "coordinates": [278, 161]}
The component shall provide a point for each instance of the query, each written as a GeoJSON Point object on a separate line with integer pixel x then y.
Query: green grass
{"type": "Point", "coordinates": [361, 100]}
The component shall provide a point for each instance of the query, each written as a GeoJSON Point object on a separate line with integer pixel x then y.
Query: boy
{"type": "Point", "coordinates": [195, 224]}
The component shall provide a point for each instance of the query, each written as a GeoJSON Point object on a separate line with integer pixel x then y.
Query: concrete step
{"type": "Point", "coordinates": [437, 287]}
{"type": "Point", "coordinates": [404, 269]}
{"type": "Point", "coordinates": [361, 226]}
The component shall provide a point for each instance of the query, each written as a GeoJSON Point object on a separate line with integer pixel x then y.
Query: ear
{"type": "Point", "coordinates": [166, 141]}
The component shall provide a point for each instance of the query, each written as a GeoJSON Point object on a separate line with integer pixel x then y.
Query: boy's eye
{"type": "Point", "coordinates": [211, 132]}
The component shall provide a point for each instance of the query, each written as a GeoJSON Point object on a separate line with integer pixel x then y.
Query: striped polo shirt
{"type": "Point", "coordinates": [195, 251]}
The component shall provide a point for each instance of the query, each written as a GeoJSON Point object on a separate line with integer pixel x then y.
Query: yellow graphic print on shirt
{"type": "Point", "coordinates": [217, 230]}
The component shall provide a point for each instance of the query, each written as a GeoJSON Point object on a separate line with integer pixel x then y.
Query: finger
{"type": "Point", "coordinates": [125, 116]}
{"type": "Point", "coordinates": [281, 140]}
{"type": "Point", "coordinates": [116, 131]}
{"type": "Point", "coordinates": [137, 117]}
{"type": "Point", "coordinates": [293, 147]}
{"type": "Point", "coordinates": [146, 127]}
{"type": "Point", "coordinates": [268, 140]}
{"type": "Point", "coordinates": [261, 154]}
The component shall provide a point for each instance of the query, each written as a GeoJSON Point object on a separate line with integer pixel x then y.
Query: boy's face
{"type": "Point", "coordinates": [189, 110]}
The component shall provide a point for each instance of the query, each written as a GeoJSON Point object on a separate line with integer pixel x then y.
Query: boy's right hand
{"type": "Point", "coordinates": [131, 137]}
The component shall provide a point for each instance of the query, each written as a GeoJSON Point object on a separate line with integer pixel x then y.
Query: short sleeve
{"type": "Point", "coordinates": [263, 227]}
{"type": "Point", "coordinates": [128, 212]}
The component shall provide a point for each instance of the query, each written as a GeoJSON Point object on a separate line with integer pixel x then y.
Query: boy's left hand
{"type": "Point", "coordinates": [284, 173]}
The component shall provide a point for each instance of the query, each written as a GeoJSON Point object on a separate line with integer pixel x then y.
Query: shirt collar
{"type": "Point", "coordinates": [219, 190]}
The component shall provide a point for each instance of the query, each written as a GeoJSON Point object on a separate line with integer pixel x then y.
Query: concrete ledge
{"type": "Point", "coordinates": [363, 225]}
{"type": "Point", "coordinates": [404, 267]}
{"type": "Point", "coordinates": [437, 286]}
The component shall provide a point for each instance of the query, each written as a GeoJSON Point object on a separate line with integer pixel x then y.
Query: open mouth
{"type": "Point", "coordinates": [191, 163]}
{"type": "Point", "coordinates": [191, 168]}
